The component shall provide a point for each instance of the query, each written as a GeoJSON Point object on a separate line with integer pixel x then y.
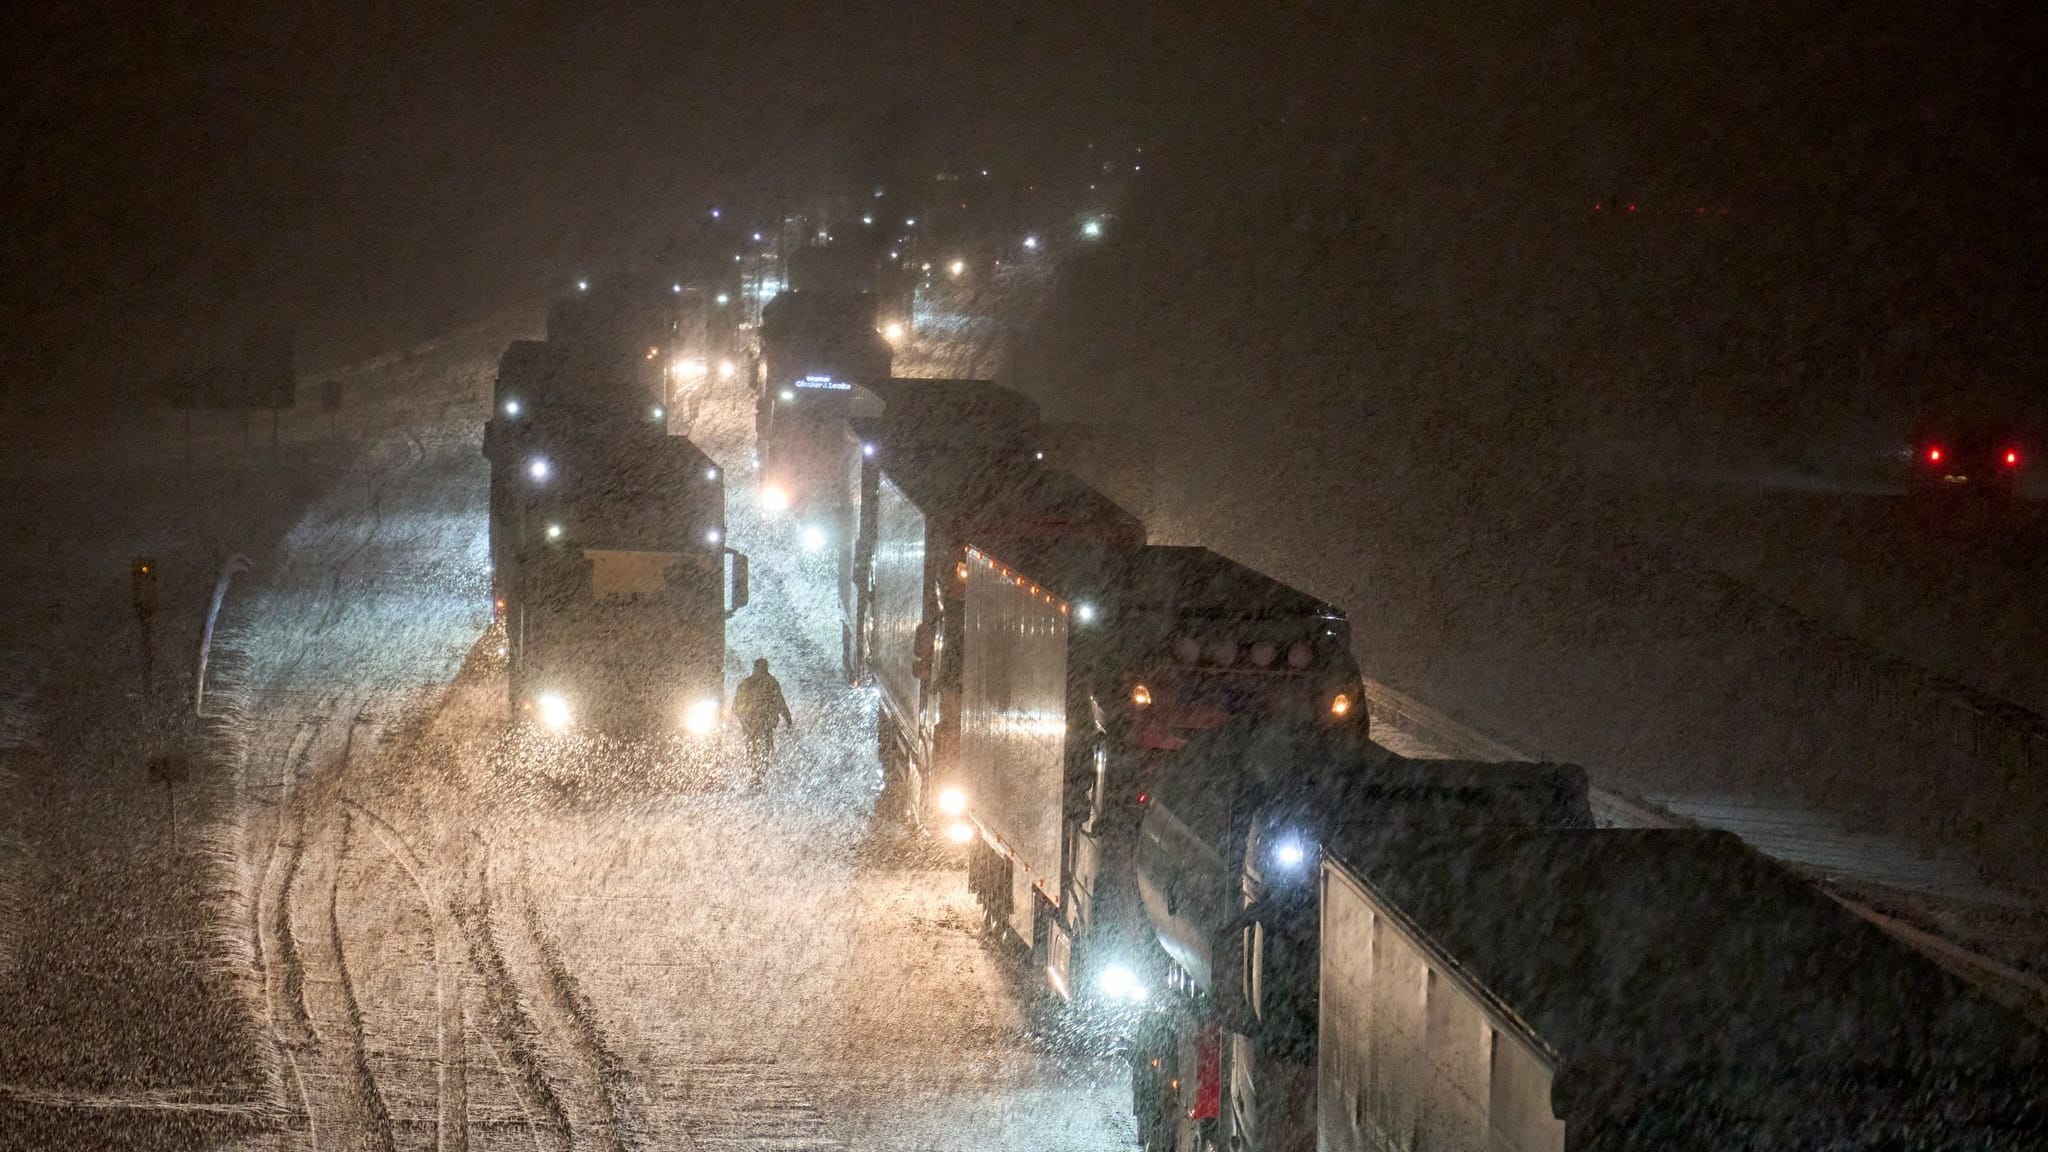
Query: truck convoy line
{"type": "Point", "coordinates": [1155, 763]}
{"type": "Point", "coordinates": [610, 566]}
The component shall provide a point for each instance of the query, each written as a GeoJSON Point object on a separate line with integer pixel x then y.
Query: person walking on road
{"type": "Point", "coordinates": [760, 706]}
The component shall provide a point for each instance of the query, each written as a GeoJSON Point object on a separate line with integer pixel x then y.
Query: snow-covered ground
{"type": "Point", "coordinates": [399, 923]}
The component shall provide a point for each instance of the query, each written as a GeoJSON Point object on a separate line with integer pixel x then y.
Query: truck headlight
{"type": "Point", "coordinates": [553, 711]}
{"type": "Point", "coordinates": [774, 498]}
{"type": "Point", "coordinates": [1290, 853]}
{"type": "Point", "coordinates": [952, 801]}
{"type": "Point", "coordinates": [701, 717]}
{"type": "Point", "coordinates": [1120, 984]}
{"type": "Point", "coordinates": [814, 538]}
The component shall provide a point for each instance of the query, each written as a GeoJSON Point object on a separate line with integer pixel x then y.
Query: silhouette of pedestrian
{"type": "Point", "coordinates": [760, 706]}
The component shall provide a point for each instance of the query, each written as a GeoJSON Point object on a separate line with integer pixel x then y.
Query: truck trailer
{"type": "Point", "coordinates": [1668, 989]}
{"type": "Point", "coordinates": [928, 509]}
{"type": "Point", "coordinates": [1083, 675]}
{"type": "Point", "coordinates": [1225, 1057]}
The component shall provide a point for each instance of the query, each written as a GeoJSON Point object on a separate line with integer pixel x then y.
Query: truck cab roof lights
{"type": "Point", "coordinates": [1263, 653]}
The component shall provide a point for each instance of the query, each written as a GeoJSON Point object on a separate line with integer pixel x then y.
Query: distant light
{"type": "Point", "coordinates": [735, 257]}
{"type": "Point", "coordinates": [927, 266]}
{"type": "Point", "coordinates": [1031, 243]}
{"type": "Point", "coordinates": [893, 332]}
{"type": "Point", "coordinates": [814, 539]}
{"type": "Point", "coordinates": [554, 531]}
{"type": "Point", "coordinates": [723, 299]}
{"type": "Point", "coordinates": [787, 395]}
{"type": "Point", "coordinates": [2012, 458]}
{"type": "Point", "coordinates": [960, 832]}
{"type": "Point", "coordinates": [583, 285]}
{"type": "Point", "coordinates": [867, 219]}
{"type": "Point", "coordinates": [554, 711]}
{"type": "Point", "coordinates": [711, 473]}
{"type": "Point", "coordinates": [714, 213]}
{"type": "Point", "coordinates": [726, 369]}
{"type": "Point", "coordinates": [952, 801]}
{"type": "Point", "coordinates": [1085, 613]}
{"type": "Point", "coordinates": [1289, 853]}
{"type": "Point", "coordinates": [984, 171]}
{"type": "Point", "coordinates": [677, 288]}
{"type": "Point", "coordinates": [701, 717]}
{"type": "Point", "coordinates": [1120, 983]}
{"type": "Point", "coordinates": [1934, 455]}
{"type": "Point", "coordinates": [1092, 229]}
{"type": "Point", "coordinates": [774, 499]}
{"type": "Point", "coordinates": [757, 237]}
{"type": "Point", "coordinates": [956, 267]}
{"type": "Point", "coordinates": [892, 255]}
{"type": "Point", "coordinates": [713, 536]}
{"type": "Point", "coordinates": [511, 407]}
{"type": "Point", "coordinates": [910, 222]}
{"type": "Point", "coordinates": [867, 449]}
{"type": "Point", "coordinates": [1340, 705]}
{"type": "Point", "coordinates": [1141, 696]}
{"type": "Point", "coordinates": [1038, 455]}
{"type": "Point", "coordinates": [660, 413]}
{"type": "Point", "coordinates": [539, 468]}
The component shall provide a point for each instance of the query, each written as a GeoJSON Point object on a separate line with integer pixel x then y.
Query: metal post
{"type": "Point", "coordinates": [233, 564]}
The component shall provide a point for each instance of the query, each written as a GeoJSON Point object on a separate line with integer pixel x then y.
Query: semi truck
{"type": "Point", "coordinates": [817, 348]}
{"type": "Point", "coordinates": [1083, 673]}
{"type": "Point", "coordinates": [621, 582]}
{"type": "Point", "coordinates": [1573, 991]}
{"type": "Point", "coordinates": [1225, 1056]}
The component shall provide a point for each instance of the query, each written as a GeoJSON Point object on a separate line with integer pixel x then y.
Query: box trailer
{"type": "Point", "coordinates": [1572, 991]}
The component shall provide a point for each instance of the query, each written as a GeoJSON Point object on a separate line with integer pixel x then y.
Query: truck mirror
{"type": "Point", "coordinates": [921, 649]}
{"type": "Point", "coordinates": [738, 595]}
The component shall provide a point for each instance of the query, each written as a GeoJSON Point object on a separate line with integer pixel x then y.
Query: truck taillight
{"type": "Point", "coordinates": [1340, 704]}
{"type": "Point", "coordinates": [2012, 458]}
{"type": "Point", "coordinates": [1141, 696]}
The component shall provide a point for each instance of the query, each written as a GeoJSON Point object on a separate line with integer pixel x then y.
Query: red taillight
{"type": "Point", "coordinates": [1934, 455]}
{"type": "Point", "coordinates": [2012, 458]}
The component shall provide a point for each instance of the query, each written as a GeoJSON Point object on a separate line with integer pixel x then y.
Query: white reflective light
{"type": "Point", "coordinates": [511, 407]}
{"type": "Point", "coordinates": [1120, 983]}
{"type": "Point", "coordinates": [723, 299]}
{"type": "Point", "coordinates": [814, 539]}
{"type": "Point", "coordinates": [711, 473]}
{"type": "Point", "coordinates": [660, 413]}
{"type": "Point", "coordinates": [701, 717]}
{"type": "Point", "coordinates": [539, 468]}
{"type": "Point", "coordinates": [554, 712]}
{"type": "Point", "coordinates": [867, 449]}
{"type": "Point", "coordinates": [960, 833]}
{"type": "Point", "coordinates": [713, 536]}
{"type": "Point", "coordinates": [867, 219]}
{"type": "Point", "coordinates": [952, 801]}
{"type": "Point", "coordinates": [1289, 853]}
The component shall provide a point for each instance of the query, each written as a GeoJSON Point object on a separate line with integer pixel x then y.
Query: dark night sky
{"type": "Point", "coordinates": [370, 172]}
